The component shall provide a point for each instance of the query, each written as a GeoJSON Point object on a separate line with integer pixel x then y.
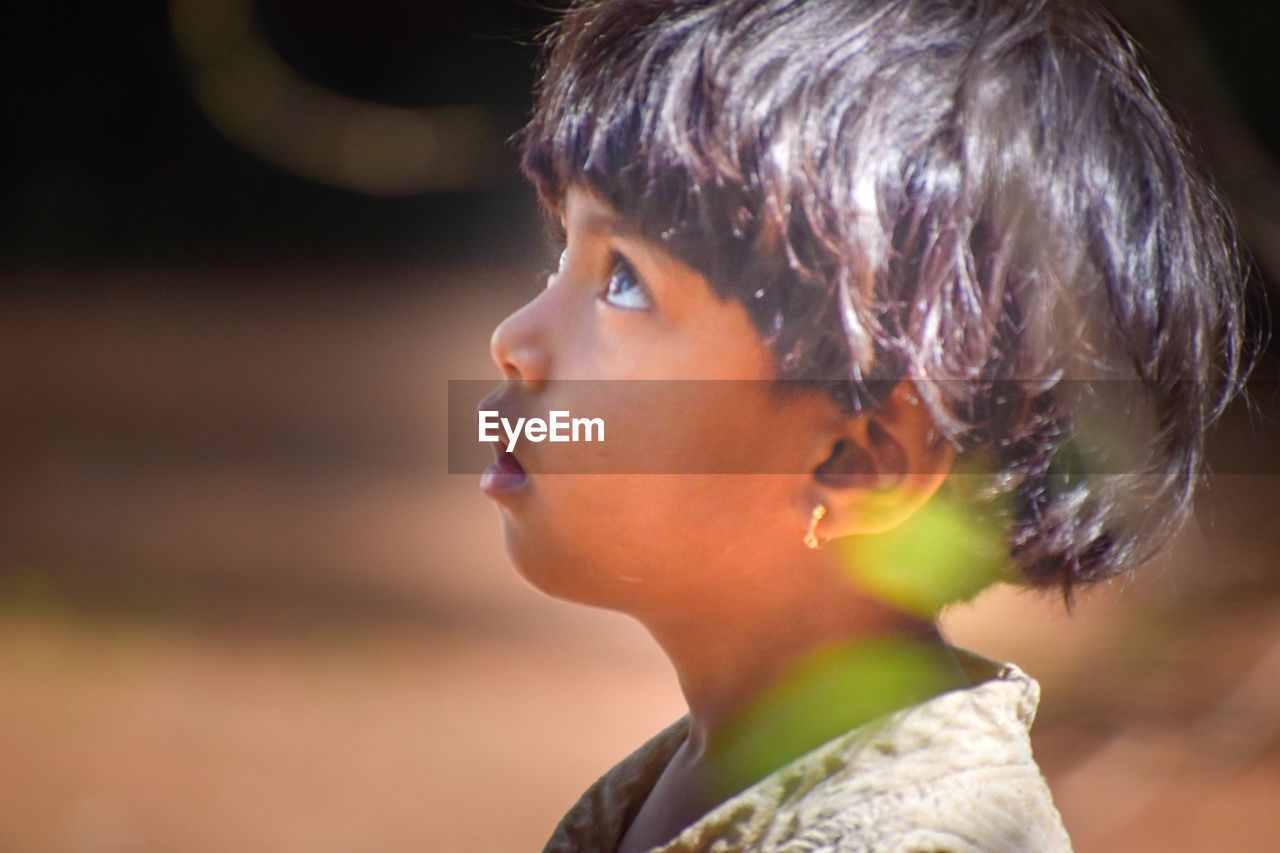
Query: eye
{"type": "Point", "coordinates": [560, 264]}
{"type": "Point", "coordinates": [624, 289]}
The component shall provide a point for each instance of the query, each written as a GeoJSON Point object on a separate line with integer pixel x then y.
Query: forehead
{"type": "Point", "coordinates": [587, 217]}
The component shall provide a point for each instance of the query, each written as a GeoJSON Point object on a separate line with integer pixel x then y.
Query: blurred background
{"type": "Point", "coordinates": [242, 604]}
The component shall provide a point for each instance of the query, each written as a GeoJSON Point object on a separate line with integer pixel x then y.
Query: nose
{"type": "Point", "coordinates": [518, 347]}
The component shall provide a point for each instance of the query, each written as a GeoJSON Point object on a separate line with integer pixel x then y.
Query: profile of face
{"type": "Point", "coordinates": [654, 540]}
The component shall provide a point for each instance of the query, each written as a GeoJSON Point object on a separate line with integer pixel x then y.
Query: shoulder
{"type": "Point", "coordinates": [953, 774]}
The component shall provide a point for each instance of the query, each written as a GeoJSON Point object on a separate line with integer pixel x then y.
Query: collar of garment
{"type": "Point", "coordinates": [863, 784]}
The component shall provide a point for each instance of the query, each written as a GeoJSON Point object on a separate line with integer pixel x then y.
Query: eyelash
{"type": "Point", "coordinates": [619, 264]}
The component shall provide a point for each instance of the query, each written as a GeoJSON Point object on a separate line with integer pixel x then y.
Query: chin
{"type": "Point", "coordinates": [546, 569]}
{"type": "Point", "coordinates": [557, 572]}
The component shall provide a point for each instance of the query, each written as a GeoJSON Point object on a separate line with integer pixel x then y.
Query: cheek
{"type": "Point", "coordinates": [690, 427]}
{"type": "Point", "coordinates": [639, 543]}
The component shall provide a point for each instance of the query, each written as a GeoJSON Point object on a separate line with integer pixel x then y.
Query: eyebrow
{"type": "Point", "coordinates": [599, 218]}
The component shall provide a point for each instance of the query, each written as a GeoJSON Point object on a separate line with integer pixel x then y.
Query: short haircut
{"type": "Point", "coordinates": [985, 197]}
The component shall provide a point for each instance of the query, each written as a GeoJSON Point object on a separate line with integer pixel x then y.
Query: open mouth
{"type": "Point", "coordinates": [504, 474]}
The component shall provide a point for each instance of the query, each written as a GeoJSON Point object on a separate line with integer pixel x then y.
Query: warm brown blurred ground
{"type": "Point", "coordinates": [244, 608]}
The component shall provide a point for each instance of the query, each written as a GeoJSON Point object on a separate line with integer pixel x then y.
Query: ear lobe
{"type": "Point", "coordinates": [882, 468]}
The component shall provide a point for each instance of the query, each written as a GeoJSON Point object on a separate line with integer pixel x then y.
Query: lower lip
{"type": "Point", "coordinates": [503, 477]}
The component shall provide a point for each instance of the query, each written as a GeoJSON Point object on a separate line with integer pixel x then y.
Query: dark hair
{"type": "Point", "coordinates": [983, 196]}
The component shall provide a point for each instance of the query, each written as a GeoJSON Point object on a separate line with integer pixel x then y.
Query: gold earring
{"type": "Point", "coordinates": [811, 539]}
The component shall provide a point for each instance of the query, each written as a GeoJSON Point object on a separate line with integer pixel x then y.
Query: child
{"type": "Point", "coordinates": [953, 295]}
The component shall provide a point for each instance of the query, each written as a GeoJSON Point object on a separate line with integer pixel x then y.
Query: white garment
{"type": "Point", "coordinates": [951, 775]}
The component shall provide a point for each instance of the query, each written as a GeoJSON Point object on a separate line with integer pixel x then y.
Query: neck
{"type": "Point", "coordinates": [740, 652]}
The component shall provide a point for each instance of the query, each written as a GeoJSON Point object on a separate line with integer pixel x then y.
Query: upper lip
{"type": "Point", "coordinates": [499, 401]}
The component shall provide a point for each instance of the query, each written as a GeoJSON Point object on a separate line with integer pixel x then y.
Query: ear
{"type": "Point", "coordinates": [880, 467]}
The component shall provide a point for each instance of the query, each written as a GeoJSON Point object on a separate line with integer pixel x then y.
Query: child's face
{"type": "Point", "coordinates": [620, 308]}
